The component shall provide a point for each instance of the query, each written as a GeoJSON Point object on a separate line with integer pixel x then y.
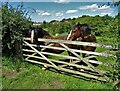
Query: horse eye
{"type": "Point", "coordinates": [74, 30]}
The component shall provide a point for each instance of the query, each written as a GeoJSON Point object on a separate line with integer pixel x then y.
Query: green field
{"type": "Point", "coordinates": [23, 75]}
{"type": "Point", "coordinates": [33, 77]}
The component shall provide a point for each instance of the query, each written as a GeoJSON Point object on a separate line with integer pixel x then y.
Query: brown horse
{"type": "Point", "coordinates": [58, 45]}
{"type": "Point", "coordinates": [60, 51]}
{"type": "Point", "coordinates": [82, 32]}
{"type": "Point", "coordinates": [34, 34]}
{"type": "Point", "coordinates": [40, 33]}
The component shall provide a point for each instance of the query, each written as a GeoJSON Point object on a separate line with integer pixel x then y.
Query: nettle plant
{"type": "Point", "coordinates": [15, 21]}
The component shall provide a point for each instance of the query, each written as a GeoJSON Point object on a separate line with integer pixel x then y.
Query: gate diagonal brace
{"type": "Point", "coordinates": [32, 55]}
{"type": "Point", "coordinates": [82, 59]}
{"type": "Point", "coordinates": [46, 48]}
{"type": "Point", "coordinates": [41, 55]}
{"type": "Point", "coordinates": [85, 61]}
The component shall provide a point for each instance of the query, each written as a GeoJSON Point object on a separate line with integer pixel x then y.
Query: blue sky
{"type": "Point", "coordinates": [59, 9]}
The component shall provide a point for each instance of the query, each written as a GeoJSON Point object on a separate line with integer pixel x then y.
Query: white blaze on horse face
{"type": "Point", "coordinates": [32, 36]}
{"type": "Point", "coordinates": [69, 35]}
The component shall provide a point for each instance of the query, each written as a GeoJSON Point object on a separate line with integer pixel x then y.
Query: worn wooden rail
{"type": "Point", "coordinates": [33, 55]}
{"type": "Point", "coordinates": [76, 43]}
{"type": "Point", "coordinates": [79, 51]}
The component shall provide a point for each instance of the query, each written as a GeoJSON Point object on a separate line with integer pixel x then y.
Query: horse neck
{"type": "Point", "coordinates": [43, 34]}
{"type": "Point", "coordinates": [62, 37]}
{"type": "Point", "coordinates": [47, 37]}
{"type": "Point", "coordinates": [85, 35]}
{"type": "Point", "coordinates": [27, 33]}
{"type": "Point", "coordinates": [89, 38]}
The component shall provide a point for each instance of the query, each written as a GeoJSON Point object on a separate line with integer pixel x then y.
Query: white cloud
{"type": "Point", "coordinates": [105, 13]}
{"type": "Point", "coordinates": [39, 11]}
{"type": "Point", "coordinates": [104, 7]}
{"type": "Point", "coordinates": [61, 1]}
{"type": "Point", "coordinates": [74, 17]}
{"type": "Point", "coordinates": [98, 10]}
{"type": "Point", "coordinates": [71, 11]}
{"type": "Point", "coordinates": [42, 13]}
{"type": "Point", "coordinates": [59, 14]}
{"type": "Point", "coordinates": [94, 7]}
{"type": "Point", "coordinates": [45, 14]}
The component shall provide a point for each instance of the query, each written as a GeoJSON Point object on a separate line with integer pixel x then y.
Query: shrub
{"type": "Point", "coordinates": [14, 23]}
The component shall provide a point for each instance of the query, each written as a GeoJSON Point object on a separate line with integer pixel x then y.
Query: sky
{"type": "Point", "coordinates": [60, 9]}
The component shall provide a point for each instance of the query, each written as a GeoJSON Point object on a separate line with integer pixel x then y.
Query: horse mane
{"type": "Point", "coordinates": [84, 24]}
{"type": "Point", "coordinates": [43, 33]}
{"type": "Point", "coordinates": [74, 26]}
{"type": "Point", "coordinates": [86, 28]}
{"type": "Point", "coordinates": [26, 33]}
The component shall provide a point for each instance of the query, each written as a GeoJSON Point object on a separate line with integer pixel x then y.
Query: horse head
{"type": "Point", "coordinates": [85, 30]}
{"type": "Point", "coordinates": [79, 31]}
{"type": "Point", "coordinates": [75, 32]}
{"type": "Point", "coordinates": [38, 33]}
{"type": "Point", "coordinates": [34, 35]}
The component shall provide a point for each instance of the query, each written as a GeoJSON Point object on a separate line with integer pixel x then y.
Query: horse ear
{"type": "Point", "coordinates": [78, 24]}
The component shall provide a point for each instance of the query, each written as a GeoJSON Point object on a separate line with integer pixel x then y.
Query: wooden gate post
{"type": "Point", "coordinates": [18, 48]}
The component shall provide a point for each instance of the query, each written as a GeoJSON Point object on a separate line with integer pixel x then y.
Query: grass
{"type": "Point", "coordinates": [106, 40]}
{"type": "Point", "coordinates": [33, 77]}
{"type": "Point", "coordinates": [29, 76]}
{"type": "Point", "coordinates": [23, 75]}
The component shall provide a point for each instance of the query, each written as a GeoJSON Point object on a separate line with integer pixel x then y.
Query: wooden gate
{"type": "Point", "coordinates": [106, 59]}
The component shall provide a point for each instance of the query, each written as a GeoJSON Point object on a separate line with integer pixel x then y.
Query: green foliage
{"type": "Point", "coordinates": [101, 26]}
{"type": "Point", "coordinates": [14, 23]}
{"type": "Point", "coordinates": [57, 28]}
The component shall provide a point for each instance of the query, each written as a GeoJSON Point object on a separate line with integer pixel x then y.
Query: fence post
{"type": "Point", "coordinates": [18, 48]}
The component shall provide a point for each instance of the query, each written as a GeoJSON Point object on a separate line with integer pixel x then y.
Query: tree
{"type": "Point", "coordinates": [14, 23]}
